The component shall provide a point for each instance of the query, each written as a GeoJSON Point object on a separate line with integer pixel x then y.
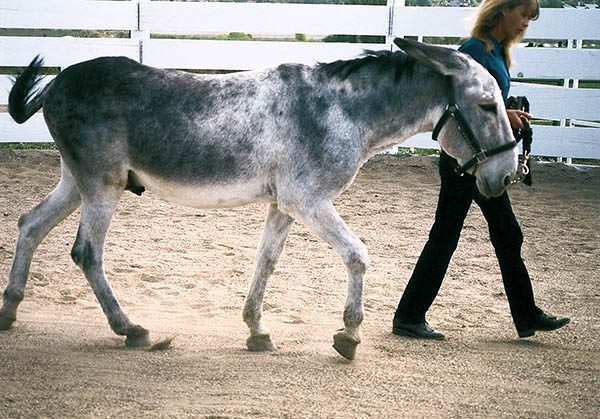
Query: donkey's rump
{"type": "Point", "coordinates": [170, 124]}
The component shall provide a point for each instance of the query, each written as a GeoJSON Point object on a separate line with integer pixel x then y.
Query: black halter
{"type": "Point", "coordinates": [479, 154]}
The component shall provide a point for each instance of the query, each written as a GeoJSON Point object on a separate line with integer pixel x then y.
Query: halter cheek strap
{"type": "Point", "coordinates": [479, 154]}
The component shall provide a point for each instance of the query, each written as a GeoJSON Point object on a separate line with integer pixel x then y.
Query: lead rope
{"type": "Point", "coordinates": [523, 134]}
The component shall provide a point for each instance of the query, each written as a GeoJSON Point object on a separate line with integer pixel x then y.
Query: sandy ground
{"type": "Point", "coordinates": [184, 272]}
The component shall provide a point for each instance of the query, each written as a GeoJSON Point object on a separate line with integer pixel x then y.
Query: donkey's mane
{"type": "Point", "coordinates": [384, 61]}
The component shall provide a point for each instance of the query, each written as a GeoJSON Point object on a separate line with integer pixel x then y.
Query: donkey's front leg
{"type": "Point", "coordinates": [87, 254]}
{"type": "Point", "coordinates": [276, 230]}
{"type": "Point", "coordinates": [325, 221]}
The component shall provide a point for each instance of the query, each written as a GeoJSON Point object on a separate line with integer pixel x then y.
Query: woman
{"type": "Point", "coordinates": [499, 25]}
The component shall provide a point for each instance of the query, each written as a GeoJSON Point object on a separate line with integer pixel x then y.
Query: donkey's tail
{"type": "Point", "coordinates": [24, 99]}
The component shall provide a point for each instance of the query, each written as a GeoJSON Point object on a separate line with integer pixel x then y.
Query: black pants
{"type": "Point", "coordinates": [456, 195]}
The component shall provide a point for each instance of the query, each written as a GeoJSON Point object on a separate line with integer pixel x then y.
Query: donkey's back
{"type": "Point", "coordinates": [194, 139]}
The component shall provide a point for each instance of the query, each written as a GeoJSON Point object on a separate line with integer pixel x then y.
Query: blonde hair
{"type": "Point", "coordinates": [488, 15]}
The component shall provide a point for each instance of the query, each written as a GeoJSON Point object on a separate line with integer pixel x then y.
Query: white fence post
{"type": "Point", "coordinates": [389, 41]}
{"type": "Point", "coordinates": [389, 38]}
{"type": "Point", "coordinates": [140, 34]}
{"type": "Point", "coordinates": [576, 44]}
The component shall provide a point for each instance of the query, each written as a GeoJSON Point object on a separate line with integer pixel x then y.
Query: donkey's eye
{"type": "Point", "coordinates": [488, 107]}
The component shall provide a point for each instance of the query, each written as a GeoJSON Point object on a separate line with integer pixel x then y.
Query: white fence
{"type": "Point", "coordinates": [577, 109]}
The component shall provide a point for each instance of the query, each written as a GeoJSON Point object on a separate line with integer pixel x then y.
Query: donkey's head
{"type": "Point", "coordinates": [473, 127]}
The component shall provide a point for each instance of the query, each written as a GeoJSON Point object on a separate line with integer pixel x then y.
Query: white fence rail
{"type": "Point", "coordinates": [142, 18]}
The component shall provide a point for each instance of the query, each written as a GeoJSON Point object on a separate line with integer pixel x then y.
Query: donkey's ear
{"type": "Point", "coordinates": [442, 60]}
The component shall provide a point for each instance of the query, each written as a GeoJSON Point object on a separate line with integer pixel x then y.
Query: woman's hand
{"type": "Point", "coordinates": [516, 117]}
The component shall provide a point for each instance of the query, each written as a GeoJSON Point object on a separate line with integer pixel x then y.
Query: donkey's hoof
{"type": "Point", "coordinates": [345, 344]}
{"type": "Point", "coordinates": [6, 322]}
{"type": "Point", "coordinates": [137, 337]}
{"type": "Point", "coordinates": [260, 343]}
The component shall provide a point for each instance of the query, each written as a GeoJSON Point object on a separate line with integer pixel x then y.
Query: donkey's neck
{"type": "Point", "coordinates": [396, 111]}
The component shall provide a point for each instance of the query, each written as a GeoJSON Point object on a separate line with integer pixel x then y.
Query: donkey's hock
{"type": "Point", "coordinates": [293, 136]}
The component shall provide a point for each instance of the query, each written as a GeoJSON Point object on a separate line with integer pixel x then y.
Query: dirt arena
{"type": "Point", "coordinates": [184, 272]}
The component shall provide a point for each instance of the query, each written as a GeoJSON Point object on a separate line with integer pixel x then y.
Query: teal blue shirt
{"type": "Point", "coordinates": [494, 61]}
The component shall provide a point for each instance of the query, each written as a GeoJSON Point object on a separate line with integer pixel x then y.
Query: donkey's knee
{"type": "Point", "coordinates": [357, 260]}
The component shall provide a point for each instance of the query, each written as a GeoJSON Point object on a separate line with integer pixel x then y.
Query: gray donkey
{"type": "Point", "coordinates": [293, 136]}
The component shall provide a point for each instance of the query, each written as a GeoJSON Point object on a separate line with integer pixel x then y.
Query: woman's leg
{"type": "Point", "coordinates": [456, 195]}
{"type": "Point", "coordinates": [507, 238]}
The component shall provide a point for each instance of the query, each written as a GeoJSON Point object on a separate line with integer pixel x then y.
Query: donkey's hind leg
{"type": "Point", "coordinates": [276, 231]}
{"type": "Point", "coordinates": [325, 221]}
{"type": "Point", "coordinates": [96, 212]}
{"type": "Point", "coordinates": [33, 227]}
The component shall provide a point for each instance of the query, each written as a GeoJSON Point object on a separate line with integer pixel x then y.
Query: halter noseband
{"type": "Point", "coordinates": [479, 154]}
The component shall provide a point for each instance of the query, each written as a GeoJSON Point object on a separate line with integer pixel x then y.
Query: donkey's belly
{"type": "Point", "coordinates": [199, 195]}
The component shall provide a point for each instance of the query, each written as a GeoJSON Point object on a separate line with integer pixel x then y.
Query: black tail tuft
{"type": "Point", "coordinates": [24, 100]}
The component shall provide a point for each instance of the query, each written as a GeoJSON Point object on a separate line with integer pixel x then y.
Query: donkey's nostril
{"type": "Point", "coordinates": [507, 180]}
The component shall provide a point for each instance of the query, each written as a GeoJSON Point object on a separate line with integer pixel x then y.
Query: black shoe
{"type": "Point", "coordinates": [419, 330]}
{"type": "Point", "coordinates": [543, 322]}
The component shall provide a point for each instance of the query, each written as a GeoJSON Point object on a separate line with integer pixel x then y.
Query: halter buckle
{"type": "Point", "coordinates": [481, 156]}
